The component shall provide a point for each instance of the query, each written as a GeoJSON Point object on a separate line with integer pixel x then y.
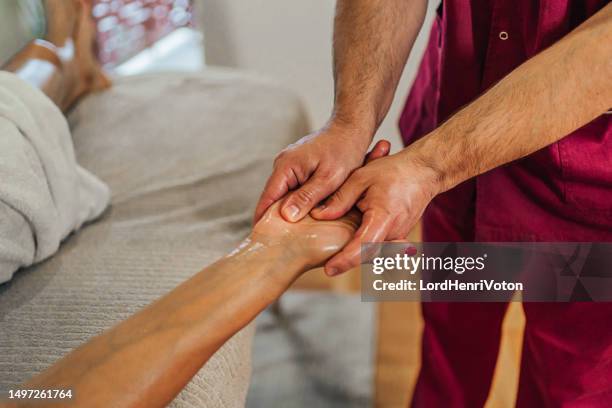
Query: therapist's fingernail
{"type": "Point", "coordinates": [332, 272]}
{"type": "Point", "coordinates": [292, 212]}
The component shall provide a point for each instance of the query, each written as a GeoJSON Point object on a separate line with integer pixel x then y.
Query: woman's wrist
{"type": "Point", "coordinates": [279, 256]}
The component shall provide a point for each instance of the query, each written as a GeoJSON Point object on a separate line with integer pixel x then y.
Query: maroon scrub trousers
{"type": "Point", "coordinates": [560, 193]}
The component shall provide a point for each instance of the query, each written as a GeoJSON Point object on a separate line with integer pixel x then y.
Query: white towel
{"type": "Point", "coordinates": [44, 194]}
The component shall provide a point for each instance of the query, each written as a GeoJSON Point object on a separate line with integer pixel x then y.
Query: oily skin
{"type": "Point", "coordinates": [146, 360]}
{"type": "Point", "coordinates": [540, 102]}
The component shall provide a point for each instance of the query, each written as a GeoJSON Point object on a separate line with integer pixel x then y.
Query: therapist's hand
{"type": "Point", "coordinates": [313, 168]}
{"type": "Point", "coordinates": [392, 192]}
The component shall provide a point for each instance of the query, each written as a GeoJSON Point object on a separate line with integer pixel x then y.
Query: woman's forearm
{"type": "Point", "coordinates": [546, 98]}
{"type": "Point", "coordinates": [146, 360]}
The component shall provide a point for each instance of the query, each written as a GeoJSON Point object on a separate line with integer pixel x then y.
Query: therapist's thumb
{"type": "Point", "coordinates": [301, 201]}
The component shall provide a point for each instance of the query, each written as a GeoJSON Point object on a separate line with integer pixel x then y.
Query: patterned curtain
{"type": "Point", "coordinates": [126, 27]}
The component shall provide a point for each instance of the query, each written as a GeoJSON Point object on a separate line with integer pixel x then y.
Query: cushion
{"type": "Point", "coordinates": [185, 156]}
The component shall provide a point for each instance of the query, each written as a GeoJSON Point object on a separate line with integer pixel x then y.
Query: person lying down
{"type": "Point", "coordinates": [146, 360]}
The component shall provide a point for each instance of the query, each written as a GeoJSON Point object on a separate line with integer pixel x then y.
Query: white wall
{"type": "Point", "coordinates": [290, 40]}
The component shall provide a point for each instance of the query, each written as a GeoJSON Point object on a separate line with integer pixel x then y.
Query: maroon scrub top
{"type": "Point", "coordinates": [560, 193]}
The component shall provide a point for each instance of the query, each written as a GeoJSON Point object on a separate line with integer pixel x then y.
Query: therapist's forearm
{"type": "Point", "coordinates": [546, 98]}
{"type": "Point", "coordinates": [146, 360]}
{"type": "Point", "coordinates": [372, 40]}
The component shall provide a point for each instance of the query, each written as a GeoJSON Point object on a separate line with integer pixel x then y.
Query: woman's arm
{"type": "Point", "coordinates": [146, 360]}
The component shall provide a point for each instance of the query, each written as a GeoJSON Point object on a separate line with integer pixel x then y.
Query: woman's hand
{"type": "Point", "coordinates": [310, 241]}
{"type": "Point", "coordinates": [313, 241]}
{"type": "Point", "coordinates": [391, 192]}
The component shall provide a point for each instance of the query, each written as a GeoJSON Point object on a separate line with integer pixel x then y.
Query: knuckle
{"type": "Point", "coordinates": [337, 198]}
{"type": "Point", "coordinates": [337, 178]}
{"type": "Point", "coordinates": [281, 155]}
{"type": "Point", "coordinates": [286, 156]}
{"type": "Point", "coordinates": [300, 173]}
{"type": "Point", "coordinates": [325, 176]}
{"type": "Point", "coordinates": [279, 162]}
{"type": "Point", "coordinates": [304, 196]}
{"type": "Point", "coordinates": [327, 173]}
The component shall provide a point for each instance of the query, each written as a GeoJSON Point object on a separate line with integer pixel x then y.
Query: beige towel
{"type": "Point", "coordinates": [44, 193]}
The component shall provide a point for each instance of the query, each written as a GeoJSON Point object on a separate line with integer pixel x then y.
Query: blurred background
{"type": "Point", "coordinates": [320, 345]}
{"type": "Point", "coordinates": [136, 36]}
